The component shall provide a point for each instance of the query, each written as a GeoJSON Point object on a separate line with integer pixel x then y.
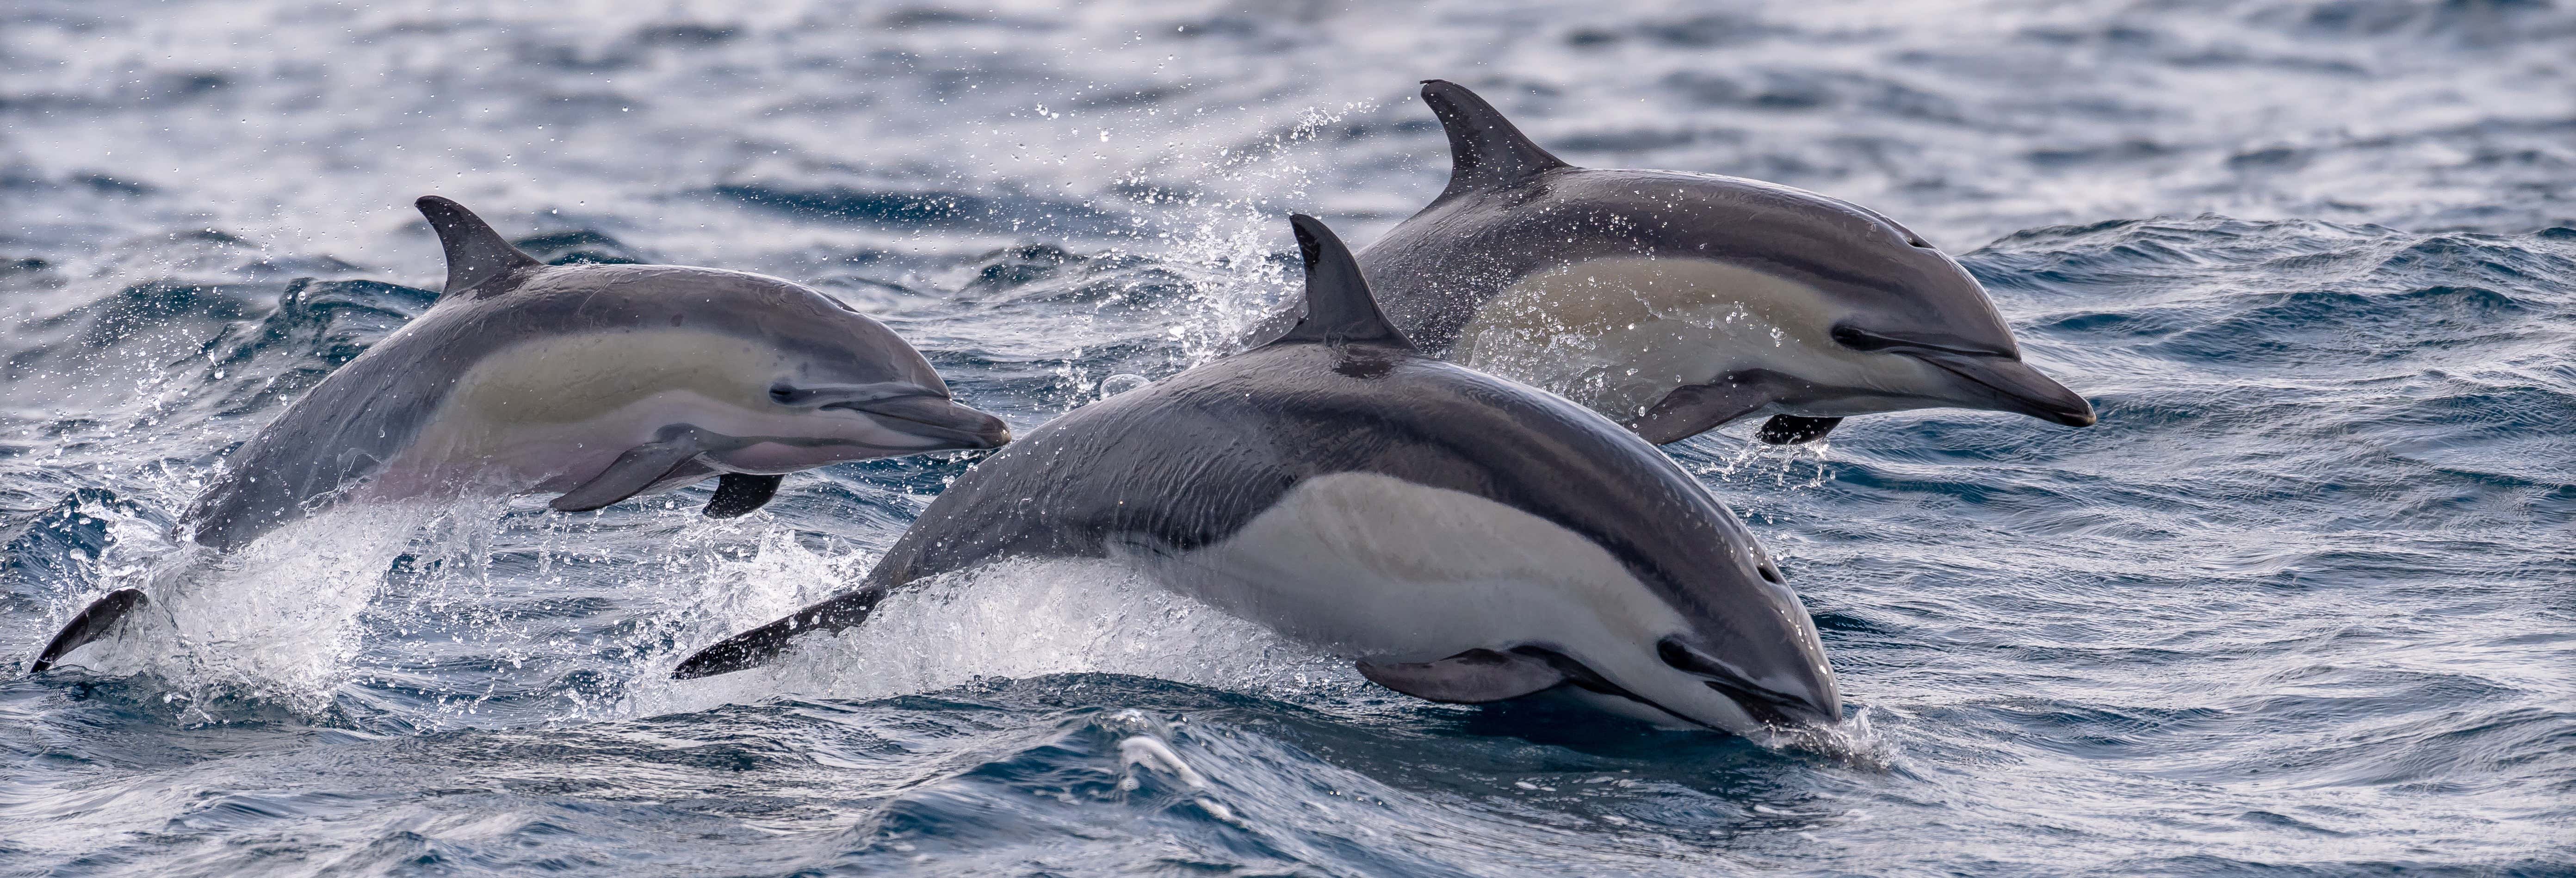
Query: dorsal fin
{"type": "Point", "coordinates": [1485, 151]}
{"type": "Point", "coordinates": [1339, 308]}
{"type": "Point", "coordinates": [475, 253]}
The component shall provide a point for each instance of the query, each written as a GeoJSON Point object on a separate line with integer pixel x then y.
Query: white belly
{"type": "Point", "coordinates": [1384, 569]}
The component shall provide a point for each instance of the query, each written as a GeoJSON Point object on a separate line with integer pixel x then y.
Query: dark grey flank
{"type": "Point", "coordinates": [1513, 209]}
{"type": "Point", "coordinates": [1188, 461]}
{"type": "Point", "coordinates": [368, 411]}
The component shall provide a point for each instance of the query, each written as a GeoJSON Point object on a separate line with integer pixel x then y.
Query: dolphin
{"type": "Point", "coordinates": [1677, 302]}
{"type": "Point", "coordinates": [1463, 538]}
{"type": "Point", "coordinates": [596, 382]}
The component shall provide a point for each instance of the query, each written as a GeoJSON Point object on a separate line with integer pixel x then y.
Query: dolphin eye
{"type": "Point", "coordinates": [783, 394]}
{"type": "Point", "coordinates": [1859, 340]}
{"type": "Point", "coordinates": [1674, 656]}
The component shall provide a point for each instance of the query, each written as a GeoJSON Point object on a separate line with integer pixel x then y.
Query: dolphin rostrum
{"type": "Point", "coordinates": [597, 382]}
{"type": "Point", "coordinates": [1462, 537]}
{"type": "Point", "coordinates": [1677, 302]}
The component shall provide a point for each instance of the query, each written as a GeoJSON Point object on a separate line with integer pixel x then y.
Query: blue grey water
{"type": "Point", "coordinates": [2303, 602]}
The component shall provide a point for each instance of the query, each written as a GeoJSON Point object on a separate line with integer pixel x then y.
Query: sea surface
{"type": "Point", "coordinates": [2303, 603]}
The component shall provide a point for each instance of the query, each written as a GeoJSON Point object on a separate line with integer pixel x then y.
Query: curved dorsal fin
{"type": "Point", "coordinates": [1485, 151]}
{"type": "Point", "coordinates": [1339, 308]}
{"type": "Point", "coordinates": [475, 253]}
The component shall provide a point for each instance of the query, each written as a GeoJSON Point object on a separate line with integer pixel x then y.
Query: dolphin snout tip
{"type": "Point", "coordinates": [979, 430]}
{"type": "Point", "coordinates": [1798, 691]}
{"type": "Point", "coordinates": [936, 417]}
{"type": "Point", "coordinates": [2008, 384]}
{"type": "Point", "coordinates": [1786, 704]}
{"type": "Point", "coordinates": [1808, 697]}
{"type": "Point", "coordinates": [2058, 404]}
{"type": "Point", "coordinates": [997, 436]}
{"type": "Point", "coordinates": [1815, 708]}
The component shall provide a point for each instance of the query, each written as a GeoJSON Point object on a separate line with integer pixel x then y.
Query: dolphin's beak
{"type": "Point", "coordinates": [936, 417]}
{"type": "Point", "coordinates": [1797, 690]}
{"type": "Point", "coordinates": [2015, 386]}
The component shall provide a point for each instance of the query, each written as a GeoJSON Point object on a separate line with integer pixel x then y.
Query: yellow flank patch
{"type": "Point", "coordinates": [1397, 531]}
{"type": "Point", "coordinates": [1619, 333]}
{"type": "Point", "coordinates": [576, 378]}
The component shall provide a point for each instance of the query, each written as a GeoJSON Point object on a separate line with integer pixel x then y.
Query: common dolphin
{"type": "Point", "coordinates": [1676, 302]}
{"type": "Point", "coordinates": [1464, 538]}
{"type": "Point", "coordinates": [600, 382]}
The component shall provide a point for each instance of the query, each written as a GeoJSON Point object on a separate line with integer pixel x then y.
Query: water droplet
{"type": "Point", "coordinates": [1121, 383]}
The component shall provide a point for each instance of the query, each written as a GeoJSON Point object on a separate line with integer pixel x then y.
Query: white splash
{"type": "Point", "coordinates": [1015, 619]}
{"type": "Point", "coordinates": [1853, 742]}
{"type": "Point", "coordinates": [1754, 459]}
{"type": "Point", "coordinates": [276, 620]}
{"type": "Point", "coordinates": [1121, 383]}
{"type": "Point", "coordinates": [1150, 753]}
{"type": "Point", "coordinates": [1221, 237]}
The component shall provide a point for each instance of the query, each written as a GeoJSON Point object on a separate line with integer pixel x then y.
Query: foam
{"type": "Point", "coordinates": [277, 620]}
{"type": "Point", "coordinates": [1019, 619]}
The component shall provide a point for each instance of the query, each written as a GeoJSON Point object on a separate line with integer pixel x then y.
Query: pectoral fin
{"type": "Point", "coordinates": [633, 472]}
{"type": "Point", "coordinates": [1471, 677]}
{"type": "Point", "coordinates": [92, 623]}
{"type": "Point", "coordinates": [1692, 409]}
{"type": "Point", "coordinates": [739, 493]}
{"type": "Point", "coordinates": [1794, 429]}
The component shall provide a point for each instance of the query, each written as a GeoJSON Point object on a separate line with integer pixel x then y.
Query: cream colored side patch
{"type": "Point", "coordinates": [1617, 334]}
{"type": "Point", "coordinates": [575, 378]}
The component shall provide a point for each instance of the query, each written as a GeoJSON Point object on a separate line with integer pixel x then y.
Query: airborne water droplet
{"type": "Point", "coordinates": [1121, 383]}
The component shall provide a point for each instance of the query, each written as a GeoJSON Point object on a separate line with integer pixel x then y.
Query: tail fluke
{"type": "Point", "coordinates": [758, 646]}
{"type": "Point", "coordinates": [93, 622]}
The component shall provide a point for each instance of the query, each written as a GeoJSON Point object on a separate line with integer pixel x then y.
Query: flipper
{"type": "Point", "coordinates": [757, 646]}
{"type": "Point", "coordinates": [1794, 429]}
{"type": "Point", "coordinates": [740, 493]}
{"type": "Point", "coordinates": [92, 623]}
{"type": "Point", "coordinates": [634, 471]}
{"type": "Point", "coordinates": [1692, 409]}
{"type": "Point", "coordinates": [1339, 309]}
{"type": "Point", "coordinates": [476, 255]}
{"type": "Point", "coordinates": [1486, 152]}
{"type": "Point", "coordinates": [1472, 677]}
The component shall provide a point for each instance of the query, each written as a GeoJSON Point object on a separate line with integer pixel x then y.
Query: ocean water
{"type": "Point", "coordinates": [2304, 602]}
